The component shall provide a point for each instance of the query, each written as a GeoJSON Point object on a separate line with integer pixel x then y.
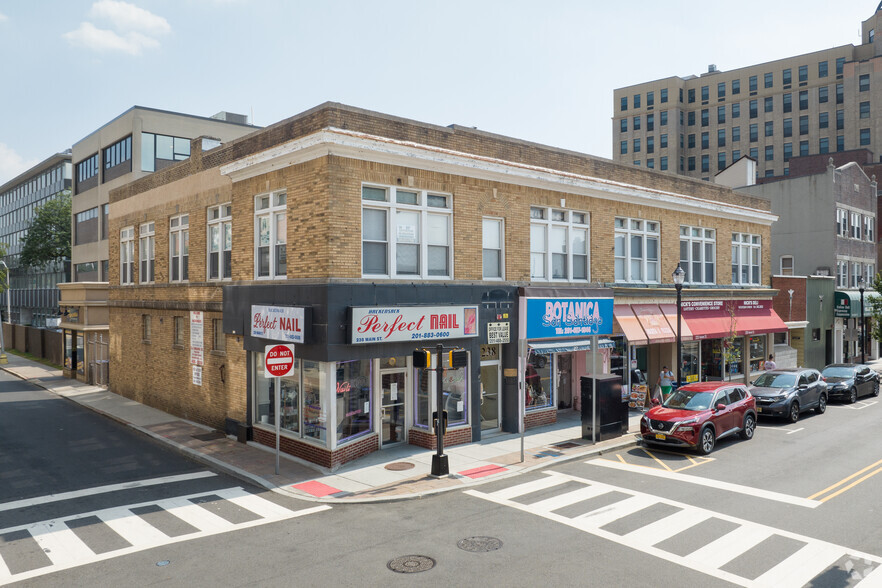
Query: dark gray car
{"type": "Point", "coordinates": [789, 392]}
{"type": "Point", "coordinates": [847, 381]}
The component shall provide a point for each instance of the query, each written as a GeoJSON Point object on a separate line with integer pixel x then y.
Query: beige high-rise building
{"type": "Point", "coordinates": [821, 102]}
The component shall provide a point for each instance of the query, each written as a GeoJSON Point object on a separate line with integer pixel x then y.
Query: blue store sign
{"type": "Point", "coordinates": [555, 318]}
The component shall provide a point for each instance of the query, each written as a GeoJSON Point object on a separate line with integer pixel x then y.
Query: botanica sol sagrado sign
{"type": "Point", "coordinates": [549, 318]}
{"type": "Point", "coordinates": [412, 323]}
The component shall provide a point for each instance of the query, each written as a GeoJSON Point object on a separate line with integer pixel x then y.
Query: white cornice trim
{"type": "Point", "coordinates": [350, 144]}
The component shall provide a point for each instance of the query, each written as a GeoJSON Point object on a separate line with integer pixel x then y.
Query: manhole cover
{"type": "Point", "coordinates": [399, 466]}
{"type": "Point", "coordinates": [568, 445]}
{"type": "Point", "coordinates": [209, 436]}
{"type": "Point", "coordinates": [408, 564]}
{"type": "Point", "coordinates": [479, 544]}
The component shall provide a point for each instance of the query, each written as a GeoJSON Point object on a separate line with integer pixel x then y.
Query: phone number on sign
{"type": "Point", "coordinates": [431, 335]}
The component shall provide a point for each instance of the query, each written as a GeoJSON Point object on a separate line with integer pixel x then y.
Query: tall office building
{"type": "Point", "coordinates": [33, 293]}
{"type": "Point", "coordinates": [815, 103]}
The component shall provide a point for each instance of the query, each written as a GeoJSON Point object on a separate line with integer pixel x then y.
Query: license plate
{"type": "Point", "coordinates": [661, 436]}
{"type": "Point", "coordinates": [759, 409]}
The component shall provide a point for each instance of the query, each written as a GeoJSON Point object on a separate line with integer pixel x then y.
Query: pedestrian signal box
{"type": "Point", "coordinates": [458, 358]}
{"type": "Point", "coordinates": [422, 358]}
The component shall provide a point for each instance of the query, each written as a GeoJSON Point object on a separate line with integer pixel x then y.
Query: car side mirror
{"type": "Point", "coordinates": [802, 387]}
{"type": "Point", "coordinates": [752, 382]}
{"type": "Point", "coordinates": [656, 401]}
{"type": "Point", "coordinates": [721, 406]}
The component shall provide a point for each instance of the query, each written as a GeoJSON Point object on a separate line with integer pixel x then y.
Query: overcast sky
{"type": "Point", "coordinates": [542, 71]}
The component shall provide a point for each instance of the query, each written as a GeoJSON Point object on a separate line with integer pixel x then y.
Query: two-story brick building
{"type": "Point", "coordinates": [372, 236]}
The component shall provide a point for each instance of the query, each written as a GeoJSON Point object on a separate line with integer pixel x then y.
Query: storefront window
{"type": "Point", "coordinates": [79, 355]}
{"type": "Point", "coordinates": [455, 392]}
{"type": "Point", "coordinates": [265, 390]}
{"type": "Point", "coordinates": [539, 391]}
{"type": "Point", "coordinates": [735, 357]}
{"type": "Point", "coordinates": [690, 368]}
{"type": "Point", "coordinates": [712, 359]}
{"type": "Point", "coordinates": [353, 398]}
{"type": "Point", "coordinates": [757, 353]}
{"type": "Point", "coordinates": [68, 350]}
{"type": "Point", "coordinates": [618, 357]}
{"type": "Point", "coordinates": [314, 412]}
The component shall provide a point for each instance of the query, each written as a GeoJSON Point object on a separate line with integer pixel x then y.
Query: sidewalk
{"type": "Point", "coordinates": [391, 474]}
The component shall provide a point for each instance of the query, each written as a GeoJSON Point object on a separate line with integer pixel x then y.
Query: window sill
{"type": "Point", "coordinates": [145, 341]}
{"type": "Point", "coordinates": [218, 353]}
{"type": "Point", "coordinates": [178, 346]}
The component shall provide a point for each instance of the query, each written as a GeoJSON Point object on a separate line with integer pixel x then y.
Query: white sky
{"type": "Point", "coordinates": [539, 71]}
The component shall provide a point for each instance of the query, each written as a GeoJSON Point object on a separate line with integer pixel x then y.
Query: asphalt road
{"type": "Point", "coordinates": [795, 506]}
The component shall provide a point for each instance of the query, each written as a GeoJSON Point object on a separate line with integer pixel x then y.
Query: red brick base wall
{"type": "Point", "coordinates": [319, 455]}
{"type": "Point", "coordinates": [539, 418]}
{"type": "Point", "coordinates": [422, 437]}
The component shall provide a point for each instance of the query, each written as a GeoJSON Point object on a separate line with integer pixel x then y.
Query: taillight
{"type": "Point", "coordinates": [823, 378]}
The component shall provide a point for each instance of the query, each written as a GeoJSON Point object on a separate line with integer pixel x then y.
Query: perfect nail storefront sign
{"type": "Point", "coordinates": [279, 323]}
{"type": "Point", "coordinates": [412, 323]}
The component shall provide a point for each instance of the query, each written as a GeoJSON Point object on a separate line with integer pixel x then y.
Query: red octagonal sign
{"type": "Point", "coordinates": [278, 360]}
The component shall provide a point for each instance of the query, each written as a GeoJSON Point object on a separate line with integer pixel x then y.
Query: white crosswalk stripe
{"type": "Point", "coordinates": [796, 570]}
{"type": "Point", "coordinates": [65, 549]}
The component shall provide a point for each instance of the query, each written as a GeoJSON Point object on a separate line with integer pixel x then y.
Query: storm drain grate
{"type": "Point", "coordinates": [479, 544]}
{"type": "Point", "coordinates": [209, 436]}
{"type": "Point", "coordinates": [399, 466]}
{"type": "Point", "coordinates": [568, 445]}
{"type": "Point", "coordinates": [409, 564]}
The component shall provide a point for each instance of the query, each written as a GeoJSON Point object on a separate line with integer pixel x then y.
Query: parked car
{"type": "Point", "coordinates": [789, 392]}
{"type": "Point", "coordinates": [698, 415]}
{"type": "Point", "coordinates": [847, 381]}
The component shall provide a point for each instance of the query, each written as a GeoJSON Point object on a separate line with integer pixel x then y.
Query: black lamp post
{"type": "Point", "coordinates": [863, 335]}
{"type": "Point", "coordinates": [679, 276]}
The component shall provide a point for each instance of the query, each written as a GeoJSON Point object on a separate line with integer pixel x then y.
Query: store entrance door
{"type": "Point", "coordinates": [490, 383]}
{"type": "Point", "coordinates": [393, 395]}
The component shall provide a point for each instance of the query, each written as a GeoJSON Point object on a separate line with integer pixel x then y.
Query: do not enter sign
{"type": "Point", "coordinates": [278, 360]}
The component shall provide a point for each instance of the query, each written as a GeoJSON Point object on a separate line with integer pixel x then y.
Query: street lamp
{"type": "Point", "coordinates": [679, 276]}
{"type": "Point", "coordinates": [3, 358]}
{"type": "Point", "coordinates": [863, 335]}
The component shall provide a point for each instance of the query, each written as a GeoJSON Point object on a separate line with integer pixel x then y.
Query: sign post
{"type": "Point", "coordinates": [278, 361]}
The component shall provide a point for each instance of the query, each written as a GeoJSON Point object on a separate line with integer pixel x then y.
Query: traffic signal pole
{"type": "Point", "coordinates": [440, 467]}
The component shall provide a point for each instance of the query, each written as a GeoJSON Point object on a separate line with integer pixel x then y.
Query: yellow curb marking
{"type": "Point", "coordinates": [844, 480]}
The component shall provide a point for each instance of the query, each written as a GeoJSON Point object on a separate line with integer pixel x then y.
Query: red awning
{"type": "Point", "coordinates": [715, 324]}
{"type": "Point", "coordinates": [758, 322]}
{"type": "Point", "coordinates": [670, 312]}
{"type": "Point", "coordinates": [654, 323]}
{"type": "Point", "coordinates": [629, 324]}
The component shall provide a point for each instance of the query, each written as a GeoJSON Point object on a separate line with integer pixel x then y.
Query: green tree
{"type": "Point", "coordinates": [48, 238]}
{"type": "Point", "coordinates": [731, 353]}
{"type": "Point", "coordinates": [874, 325]}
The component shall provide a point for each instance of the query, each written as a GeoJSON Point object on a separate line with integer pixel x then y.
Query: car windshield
{"type": "Point", "coordinates": [838, 372]}
{"type": "Point", "coordinates": [776, 381]}
{"type": "Point", "coordinates": [689, 400]}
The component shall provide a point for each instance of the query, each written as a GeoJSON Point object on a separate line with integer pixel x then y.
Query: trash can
{"type": "Point", "coordinates": [612, 407]}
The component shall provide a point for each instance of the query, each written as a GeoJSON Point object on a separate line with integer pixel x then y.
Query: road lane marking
{"type": "Point", "coordinates": [859, 405]}
{"type": "Point", "coordinates": [785, 429]}
{"type": "Point", "coordinates": [660, 462]}
{"type": "Point", "coordinates": [719, 485]}
{"type": "Point", "coordinates": [795, 431]}
{"type": "Point", "coordinates": [844, 480]}
{"type": "Point", "coordinates": [102, 490]}
{"type": "Point", "coordinates": [721, 551]}
{"type": "Point", "coordinates": [800, 568]}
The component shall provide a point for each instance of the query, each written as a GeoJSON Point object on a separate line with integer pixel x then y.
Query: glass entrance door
{"type": "Point", "coordinates": [490, 381]}
{"type": "Point", "coordinates": [393, 391]}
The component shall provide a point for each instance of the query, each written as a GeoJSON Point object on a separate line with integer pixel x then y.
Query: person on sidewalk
{"type": "Point", "coordinates": [665, 382]}
{"type": "Point", "coordinates": [770, 363]}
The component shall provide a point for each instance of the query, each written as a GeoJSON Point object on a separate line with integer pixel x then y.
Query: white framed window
{"type": "Point", "coordinates": [127, 256]}
{"type": "Point", "coordinates": [406, 233]}
{"type": "Point", "coordinates": [179, 248]}
{"type": "Point", "coordinates": [746, 254]}
{"type": "Point", "coordinates": [270, 235]}
{"type": "Point", "coordinates": [786, 265]}
{"type": "Point", "coordinates": [698, 254]}
{"type": "Point", "coordinates": [220, 242]}
{"type": "Point", "coordinates": [869, 274]}
{"type": "Point", "coordinates": [855, 225]}
{"type": "Point", "coordinates": [842, 274]}
{"type": "Point", "coordinates": [146, 252]}
{"type": "Point", "coordinates": [559, 244]}
{"type": "Point", "coordinates": [869, 233]}
{"type": "Point", "coordinates": [856, 272]}
{"type": "Point", "coordinates": [636, 250]}
{"type": "Point", "coordinates": [492, 249]}
{"type": "Point", "coordinates": [841, 222]}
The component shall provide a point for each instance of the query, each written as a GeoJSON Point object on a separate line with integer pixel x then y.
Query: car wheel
{"type": "Point", "coordinates": [852, 396]}
{"type": "Point", "coordinates": [875, 388]}
{"type": "Point", "coordinates": [793, 415]}
{"type": "Point", "coordinates": [822, 404]}
{"type": "Point", "coordinates": [749, 427]}
{"type": "Point", "coordinates": [707, 441]}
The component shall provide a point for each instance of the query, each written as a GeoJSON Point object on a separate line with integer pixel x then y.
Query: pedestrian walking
{"type": "Point", "coordinates": [770, 363]}
{"type": "Point", "coordinates": [665, 382]}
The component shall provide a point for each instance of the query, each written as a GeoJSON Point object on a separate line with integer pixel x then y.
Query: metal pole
{"type": "Point", "coordinates": [679, 337]}
{"type": "Point", "coordinates": [863, 325]}
{"type": "Point", "coordinates": [278, 401]}
{"type": "Point", "coordinates": [522, 409]}
{"type": "Point", "coordinates": [593, 389]}
{"type": "Point", "coordinates": [439, 460]}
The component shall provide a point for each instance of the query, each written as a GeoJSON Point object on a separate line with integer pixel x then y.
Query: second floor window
{"type": "Point", "coordinates": [492, 241]}
{"type": "Point", "coordinates": [220, 242]}
{"type": "Point", "coordinates": [126, 255]}
{"type": "Point", "coordinates": [698, 254]}
{"type": "Point", "coordinates": [146, 253]}
{"type": "Point", "coordinates": [558, 244]}
{"type": "Point", "coordinates": [636, 250]}
{"type": "Point", "coordinates": [746, 250]}
{"type": "Point", "coordinates": [406, 233]}
{"type": "Point", "coordinates": [271, 234]}
{"type": "Point", "coordinates": [179, 245]}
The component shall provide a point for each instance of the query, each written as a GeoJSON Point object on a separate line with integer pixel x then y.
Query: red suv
{"type": "Point", "coordinates": [697, 415]}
